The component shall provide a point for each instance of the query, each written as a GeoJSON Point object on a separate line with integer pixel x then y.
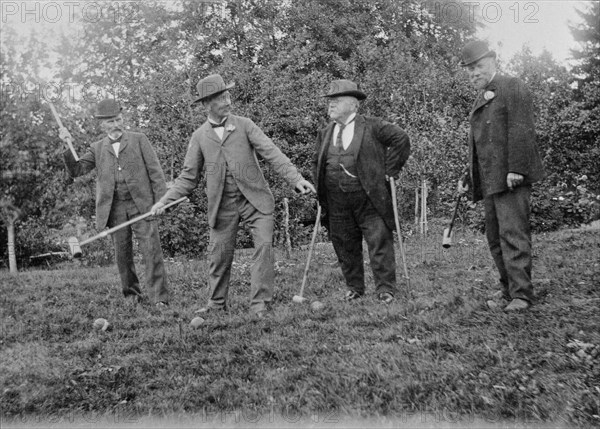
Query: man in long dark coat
{"type": "Point", "coordinates": [504, 162]}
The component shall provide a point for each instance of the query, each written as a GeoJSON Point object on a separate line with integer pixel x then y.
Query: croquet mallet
{"type": "Point", "coordinates": [300, 298]}
{"type": "Point", "coordinates": [447, 240]}
{"type": "Point", "coordinates": [397, 220]}
{"type": "Point", "coordinates": [75, 245]}
{"type": "Point", "coordinates": [60, 125]}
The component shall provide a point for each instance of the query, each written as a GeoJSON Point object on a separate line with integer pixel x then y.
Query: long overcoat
{"type": "Point", "coordinates": [502, 124]}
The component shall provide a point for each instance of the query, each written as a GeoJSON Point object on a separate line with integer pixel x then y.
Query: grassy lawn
{"type": "Point", "coordinates": [436, 356]}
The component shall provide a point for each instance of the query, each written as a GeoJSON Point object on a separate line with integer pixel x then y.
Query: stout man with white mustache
{"type": "Point", "coordinates": [355, 160]}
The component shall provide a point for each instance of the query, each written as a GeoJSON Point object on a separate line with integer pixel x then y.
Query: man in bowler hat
{"type": "Point", "coordinates": [226, 146]}
{"type": "Point", "coordinates": [504, 162]}
{"type": "Point", "coordinates": [355, 158]}
{"type": "Point", "coordinates": [129, 181]}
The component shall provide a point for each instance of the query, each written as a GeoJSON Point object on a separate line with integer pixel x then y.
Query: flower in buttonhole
{"type": "Point", "coordinates": [230, 127]}
{"type": "Point", "coordinates": [488, 95]}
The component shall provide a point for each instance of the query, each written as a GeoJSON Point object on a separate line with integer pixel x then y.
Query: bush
{"type": "Point", "coordinates": [184, 230]}
{"type": "Point", "coordinates": [556, 206]}
{"type": "Point", "coordinates": [35, 238]}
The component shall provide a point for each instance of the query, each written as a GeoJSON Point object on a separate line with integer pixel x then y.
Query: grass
{"type": "Point", "coordinates": [437, 355]}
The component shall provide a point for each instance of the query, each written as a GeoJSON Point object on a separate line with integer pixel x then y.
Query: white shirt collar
{"type": "Point", "coordinates": [349, 119]}
{"type": "Point", "coordinates": [217, 123]}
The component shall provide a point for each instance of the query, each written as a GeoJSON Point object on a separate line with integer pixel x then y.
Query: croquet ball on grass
{"type": "Point", "coordinates": [101, 324]}
{"type": "Point", "coordinates": [317, 305]}
{"type": "Point", "coordinates": [196, 322]}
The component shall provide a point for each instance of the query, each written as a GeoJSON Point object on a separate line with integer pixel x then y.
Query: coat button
{"type": "Point", "coordinates": [488, 122]}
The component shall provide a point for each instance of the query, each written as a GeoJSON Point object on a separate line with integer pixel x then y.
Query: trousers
{"type": "Point", "coordinates": [509, 238]}
{"type": "Point", "coordinates": [352, 216]}
{"type": "Point", "coordinates": [234, 208]}
{"type": "Point", "coordinates": [146, 232]}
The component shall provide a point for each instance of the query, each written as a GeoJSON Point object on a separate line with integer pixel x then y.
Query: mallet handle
{"type": "Point", "coordinates": [397, 220]}
{"type": "Point", "coordinates": [129, 222]}
{"type": "Point", "coordinates": [454, 214]}
{"type": "Point", "coordinates": [310, 250]}
{"type": "Point", "coordinates": [60, 124]}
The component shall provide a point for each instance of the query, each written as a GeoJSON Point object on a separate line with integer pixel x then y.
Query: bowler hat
{"type": "Point", "coordinates": [342, 87]}
{"type": "Point", "coordinates": [211, 85]}
{"type": "Point", "coordinates": [474, 51]}
{"type": "Point", "coordinates": [108, 108]}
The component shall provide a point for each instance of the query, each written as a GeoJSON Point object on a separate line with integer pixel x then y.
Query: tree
{"type": "Point", "coordinates": [587, 33]}
{"type": "Point", "coordinates": [9, 215]}
{"type": "Point", "coordinates": [567, 129]}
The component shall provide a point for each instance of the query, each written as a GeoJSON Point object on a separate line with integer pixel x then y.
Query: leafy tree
{"type": "Point", "coordinates": [568, 137]}
{"type": "Point", "coordinates": [282, 54]}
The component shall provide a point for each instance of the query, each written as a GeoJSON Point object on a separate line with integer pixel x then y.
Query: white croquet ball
{"type": "Point", "coordinates": [196, 322]}
{"type": "Point", "coordinates": [317, 305]}
{"type": "Point", "coordinates": [101, 324]}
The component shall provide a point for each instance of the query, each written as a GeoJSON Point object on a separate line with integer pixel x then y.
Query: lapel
{"type": "Point", "coordinates": [229, 128]}
{"type": "Point", "coordinates": [124, 142]}
{"type": "Point", "coordinates": [106, 142]}
{"type": "Point", "coordinates": [326, 142]}
{"type": "Point", "coordinates": [211, 134]}
{"type": "Point", "coordinates": [359, 130]}
{"type": "Point", "coordinates": [480, 101]}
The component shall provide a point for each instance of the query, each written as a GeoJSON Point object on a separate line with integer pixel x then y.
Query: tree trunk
{"type": "Point", "coordinates": [12, 259]}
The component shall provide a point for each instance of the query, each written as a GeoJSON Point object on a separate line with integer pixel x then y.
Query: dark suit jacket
{"type": "Point", "coordinates": [143, 174]}
{"type": "Point", "coordinates": [242, 140]}
{"type": "Point", "coordinates": [504, 131]}
{"type": "Point", "coordinates": [384, 148]}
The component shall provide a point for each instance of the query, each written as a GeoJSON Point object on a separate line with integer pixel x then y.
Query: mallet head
{"type": "Point", "coordinates": [447, 240]}
{"type": "Point", "coordinates": [298, 299]}
{"type": "Point", "coordinates": [74, 247]}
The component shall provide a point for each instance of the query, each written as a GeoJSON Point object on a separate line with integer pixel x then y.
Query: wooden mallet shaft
{"type": "Point", "coordinates": [300, 298]}
{"type": "Point", "coordinates": [397, 221]}
{"type": "Point", "coordinates": [447, 239]}
{"type": "Point", "coordinates": [75, 245]}
{"type": "Point", "coordinates": [60, 124]}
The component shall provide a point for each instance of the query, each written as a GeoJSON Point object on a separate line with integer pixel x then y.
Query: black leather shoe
{"type": "Point", "coordinates": [385, 297]}
{"type": "Point", "coordinates": [206, 310]}
{"type": "Point", "coordinates": [517, 304]}
{"type": "Point", "coordinates": [352, 295]}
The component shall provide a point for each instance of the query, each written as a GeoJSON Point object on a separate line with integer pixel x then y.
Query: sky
{"type": "Point", "coordinates": [538, 24]}
{"type": "Point", "coordinates": [508, 23]}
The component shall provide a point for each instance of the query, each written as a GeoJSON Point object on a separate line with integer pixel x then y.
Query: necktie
{"type": "Point", "coordinates": [222, 124]}
{"type": "Point", "coordinates": [338, 139]}
{"type": "Point", "coordinates": [117, 140]}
